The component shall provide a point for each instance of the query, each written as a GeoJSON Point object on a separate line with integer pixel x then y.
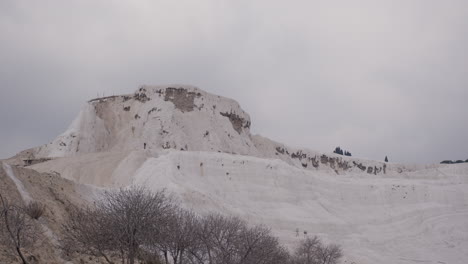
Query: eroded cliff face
{"type": "Point", "coordinates": [182, 99]}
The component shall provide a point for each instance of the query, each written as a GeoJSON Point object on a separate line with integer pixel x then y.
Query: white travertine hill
{"type": "Point", "coordinates": [199, 147]}
{"type": "Point", "coordinates": [156, 117]}
{"type": "Point", "coordinates": [397, 218]}
{"type": "Point", "coordinates": [185, 118]}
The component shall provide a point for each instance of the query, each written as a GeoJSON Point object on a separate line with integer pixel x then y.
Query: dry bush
{"type": "Point", "coordinates": [313, 251]}
{"type": "Point", "coordinates": [229, 240]}
{"type": "Point", "coordinates": [330, 254]}
{"type": "Point", "coordinates": [18, 231]}
{"type": "Point", "coordinates": [136, 224]}
{"type": "Point", "coordinates": [87, 232]}
{"type": "Point", "coordinates": [119, 225]}
{"type": "Point", "coordinates": [178, 235]}
{"type": "Point", "coordinates": [146, 257]}
{"type": "Point", "coordinates": [35, 210]}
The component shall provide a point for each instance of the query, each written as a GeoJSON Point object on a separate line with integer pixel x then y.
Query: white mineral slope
{"type": "Point", "coordinates": [103, 169]}
{"type": "Point", "coordinates": [181, 117]}
{"type": "Point", "coordinates": [199, 146]}
{"type": "Point", "coordinates": [395, 218]}
{"type": "Point", "coordinates": [160, 117]}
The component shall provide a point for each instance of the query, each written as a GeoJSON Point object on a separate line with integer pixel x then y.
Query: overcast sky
{"type": "Point", "coordinates": [374, 77]}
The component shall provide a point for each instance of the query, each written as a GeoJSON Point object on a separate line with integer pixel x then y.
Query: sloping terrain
{"type": "Point", "coordinates": [417, 217]}
{"type": "Point", "coordinates": [21, 186]}
{"type": "Point", "coordinates": [199, 146]}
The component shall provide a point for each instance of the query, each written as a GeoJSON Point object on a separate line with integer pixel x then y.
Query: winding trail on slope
{"type": "Point", "coordinates": [26, 196]}
{"type": "Point", "coordinates": [19, 185]}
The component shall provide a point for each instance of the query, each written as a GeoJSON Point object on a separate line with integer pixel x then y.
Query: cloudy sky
{"type": "Point", "coordinates": [374, 77]}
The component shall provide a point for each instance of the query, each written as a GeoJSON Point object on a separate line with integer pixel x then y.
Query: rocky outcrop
{"type": "Point", "coordinates": [29, 162]}
{"type": "Point", "coordinates": [339, 164]}
{"type": "Point", "coordinates": [140, 95]}
{"type": "Point", "coordinates": [181, 98]}
{"type": "Point", "coordinates": [238, 123]}
{"type": "Point", "coordinates": [359, 165]}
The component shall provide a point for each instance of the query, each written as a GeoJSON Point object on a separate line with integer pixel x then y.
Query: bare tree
{"type": "Point", "coordinates": [313, 251]}
{"type": "Point", "coordinates": [123, 223]}
{"type": "Point", "coordinates": [178, 236]}
{"type": "Point", "coordinates": [307, 251]}
{"type": "Point", "coordinates": [229, 240]}
{"type": "Point", "coordinates": [149, 257]}
{"type": "Point", "coordinates": [136, 216]}
{"type": "Point", "coordinates": [329, 254]}
{"type": "Point", "coordinates": [18, 230]}
{"type": "Point", "coordinates": [135, 224]}
{"type": "Point", "coordinates": [218, 237]}
{"type": "Point", "coordinates": [257, 245]}
{"type": "Point", "coordinates": [88, 233]}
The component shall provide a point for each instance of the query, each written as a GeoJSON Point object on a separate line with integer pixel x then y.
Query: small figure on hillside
{"type": "Point", "coordinates": [386, 159]}
{"type": "Point", "coordinates": [144, 145]}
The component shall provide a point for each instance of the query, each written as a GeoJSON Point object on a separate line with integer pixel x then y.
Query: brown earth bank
{"type": "Point", "coordinates": [58, 195]}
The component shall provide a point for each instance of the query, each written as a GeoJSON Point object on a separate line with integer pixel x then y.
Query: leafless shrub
{"type": "Point", "coordinates": [120, 225]}
{"type": "Point", "coordinates": [258, 245]}
{"type": "Point", "coordinates": [217, 237]}
{"type": "Point", "coordinates": [148, 257]}
{"type": "Point", "coordinates": [18, 231]}
{"type": "Point", "coordinates": [136, 217]}
{"type": "Point", "coordinates": [35, 210]}
{"type": "Point", "coordinates": [313, 251]}
{"type": "Point", "coordinates": [330, 254]}
{"type": "Point", "coordinates": [88, 232]}
{"type": "Point", "coordinates": [229, 240]}
{"type": "Point", "coordinates": [135, 224]}
{"type": "Point", "coordinates": [307, 251]}
{"type": "Point", "coordinates": [178, 235]}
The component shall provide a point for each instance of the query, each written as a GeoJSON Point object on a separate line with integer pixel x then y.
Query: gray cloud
{"type": "Point", "coordinates": [375, 77]}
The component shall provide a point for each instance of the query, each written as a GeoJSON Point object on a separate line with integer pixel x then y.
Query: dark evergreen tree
{"type": "Point", "coordinates": [386, 159]}
{"type": "Point", "coordinates": [338, 150]}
